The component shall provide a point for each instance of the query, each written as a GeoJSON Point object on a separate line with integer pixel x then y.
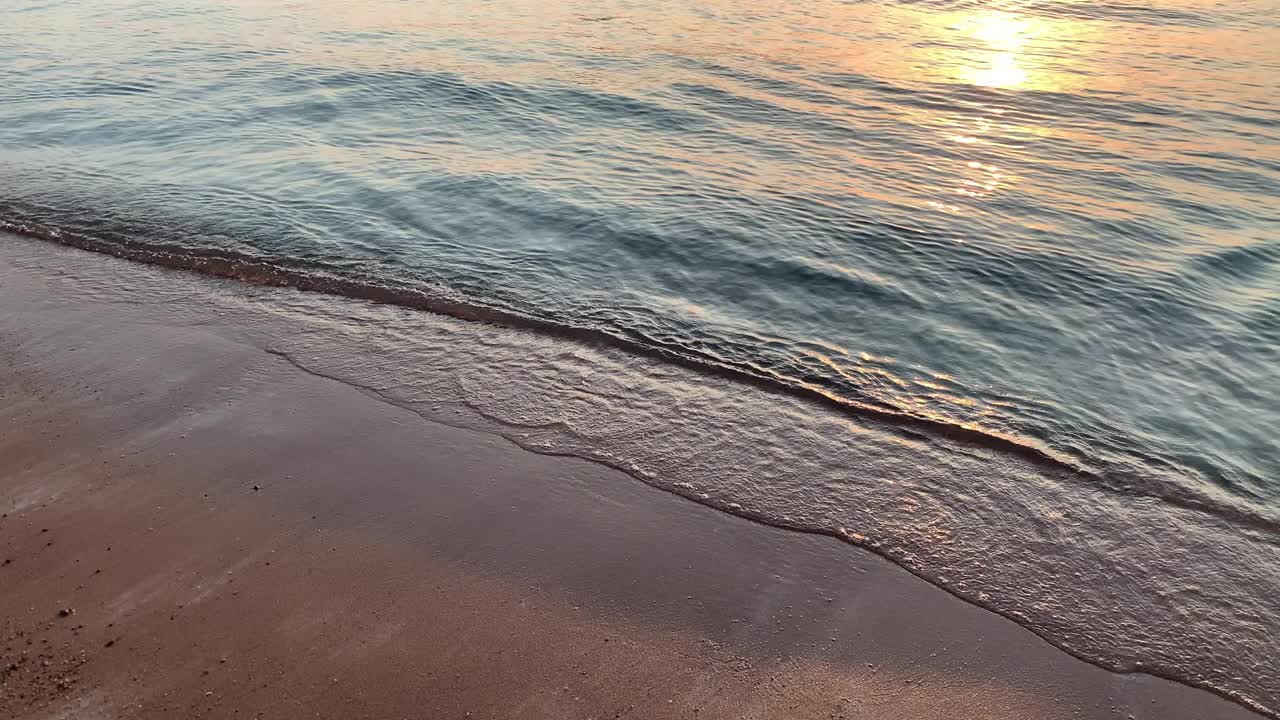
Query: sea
{"type": "Point", "coordinates": [991, 289]}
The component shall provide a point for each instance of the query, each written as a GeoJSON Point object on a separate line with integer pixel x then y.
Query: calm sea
{"type": "Point", "coordinates": [992, 288]}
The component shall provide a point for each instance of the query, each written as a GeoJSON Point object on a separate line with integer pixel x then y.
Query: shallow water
{"type": "Point", "coordinates": [1033, 249]}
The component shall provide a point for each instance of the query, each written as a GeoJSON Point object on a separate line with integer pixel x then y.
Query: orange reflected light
{"type": "Point", "coordinates": [1005, 35]}
{"type": "Point", "coordinates": [1004, 72]}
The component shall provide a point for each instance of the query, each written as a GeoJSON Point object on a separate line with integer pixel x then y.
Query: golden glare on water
{"type": "Point", "coordinates": [1004, 72]}
{"type": "Point", "coordinates": [998, 48]}
{"type": "Point", "coordinates": [1006, 36]}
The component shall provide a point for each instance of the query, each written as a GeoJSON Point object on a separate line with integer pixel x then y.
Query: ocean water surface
{"type": "Point", "coordinates": [992, 288]}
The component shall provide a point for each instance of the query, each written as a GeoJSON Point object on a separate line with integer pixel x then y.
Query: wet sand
{"type": "Point", "coordinates": [194, 527]}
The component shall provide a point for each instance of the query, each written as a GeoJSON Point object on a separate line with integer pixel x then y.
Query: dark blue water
{"type": "Point", "coordinates": [1043, 229]}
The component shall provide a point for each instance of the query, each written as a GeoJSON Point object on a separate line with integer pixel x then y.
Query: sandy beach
{"type": "Point", "coordinates": [195, 527]}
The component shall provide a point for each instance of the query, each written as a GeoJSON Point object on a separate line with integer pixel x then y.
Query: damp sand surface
{"type": "Point", "coordinates": [195, 527]}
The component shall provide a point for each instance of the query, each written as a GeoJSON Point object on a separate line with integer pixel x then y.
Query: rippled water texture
{"type": "Point", "coordinates": [1045, 230]}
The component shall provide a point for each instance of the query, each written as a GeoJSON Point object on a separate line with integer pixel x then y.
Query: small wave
{"type": "Point", "coordinates": [318, 277]}
{"type": "Point", "coordinates": [967, 522]}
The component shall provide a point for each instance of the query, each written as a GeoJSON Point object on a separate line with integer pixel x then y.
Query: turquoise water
{"type": "Point", "coordinates": [1043, 229]}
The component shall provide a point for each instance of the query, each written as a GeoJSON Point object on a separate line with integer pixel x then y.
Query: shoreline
{"type": "Point", "coordinates": [227, 265]}
{"type": "Point", "coordinates": [347, 557]}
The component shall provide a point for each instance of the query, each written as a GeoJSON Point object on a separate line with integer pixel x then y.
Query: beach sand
{"type": "Point", "coordinates": [194, 527]}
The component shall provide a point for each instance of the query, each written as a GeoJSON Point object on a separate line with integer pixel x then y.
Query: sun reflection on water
{"type": "Point", "coordinates": [1005, 36]}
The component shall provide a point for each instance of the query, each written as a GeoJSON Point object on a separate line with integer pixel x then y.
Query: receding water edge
{"type": "Point", "coordinates": [260, 272]}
